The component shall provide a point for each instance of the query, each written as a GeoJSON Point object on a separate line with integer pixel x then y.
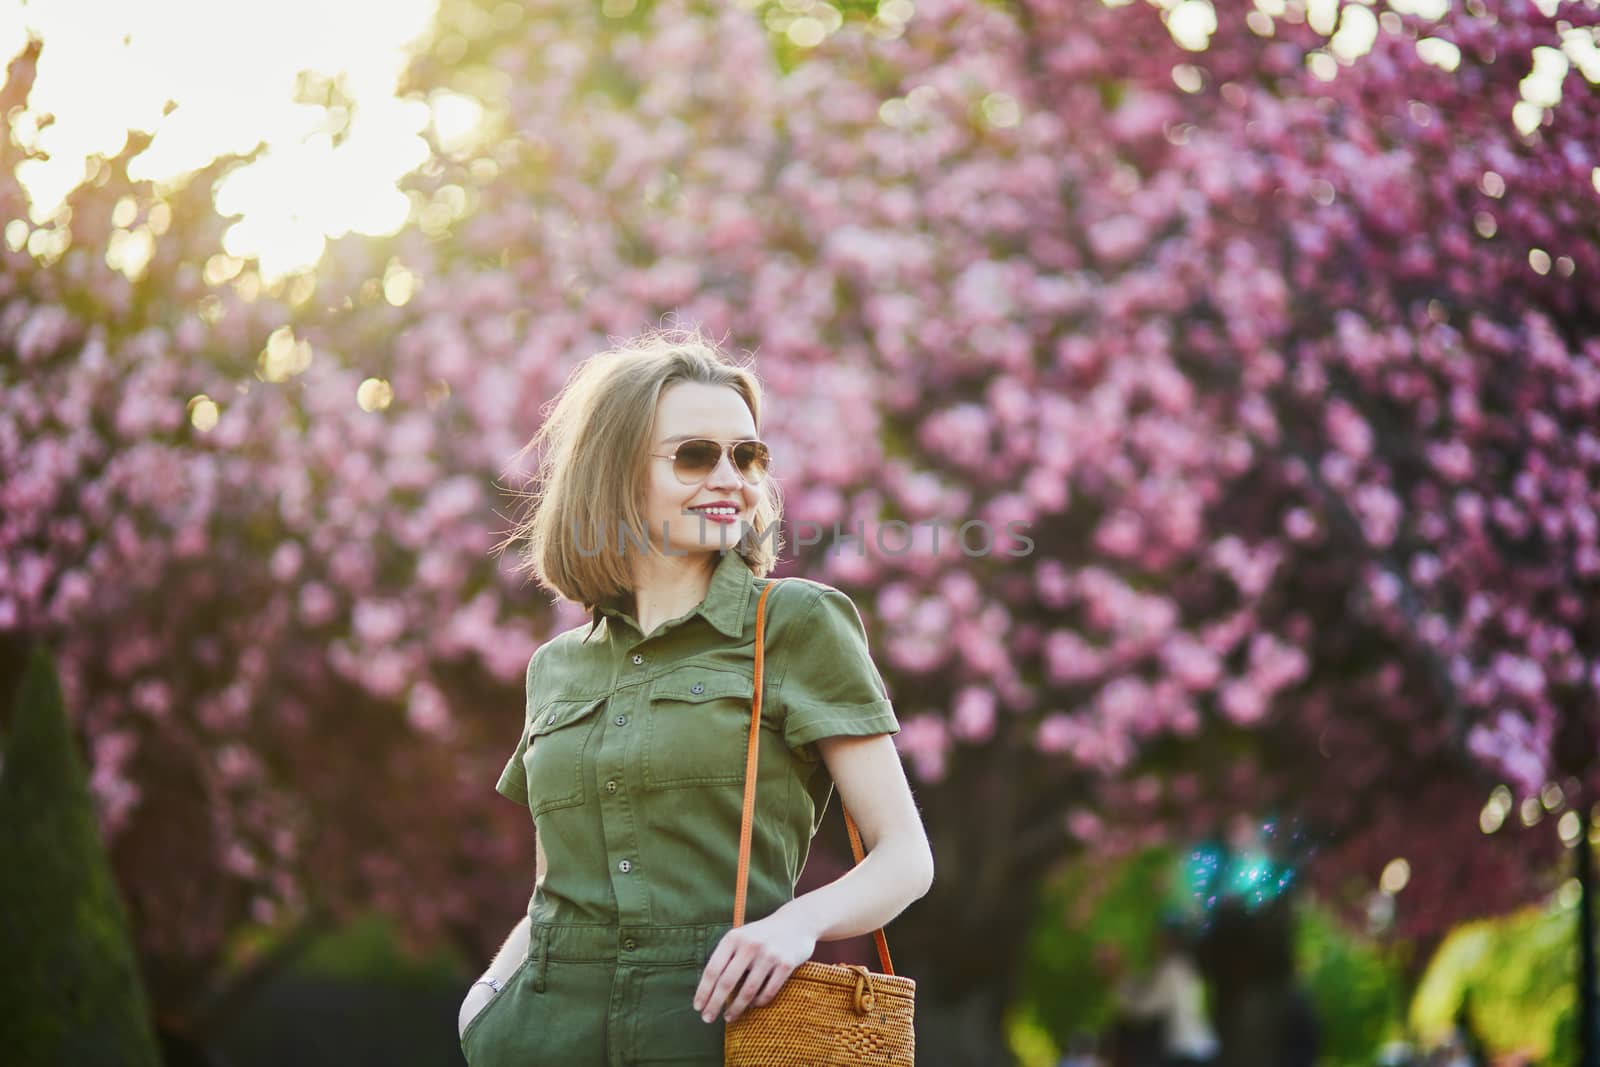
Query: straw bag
{"type": "Point", "coordinates": [826, 1014]}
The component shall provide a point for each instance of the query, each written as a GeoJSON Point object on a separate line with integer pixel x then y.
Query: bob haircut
{"type": "Point", "coordinates": [586, 505]}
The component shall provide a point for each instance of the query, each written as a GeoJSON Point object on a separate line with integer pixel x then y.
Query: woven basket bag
{"type": "Point", "coordinates": [826, 1014]}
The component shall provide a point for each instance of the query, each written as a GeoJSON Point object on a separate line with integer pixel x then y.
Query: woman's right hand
{"type": "Point", "coordinates": [477, 999]}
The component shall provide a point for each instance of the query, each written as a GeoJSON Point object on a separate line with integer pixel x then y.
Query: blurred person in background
{"type": "Point", "coordinates": [1263, 1013]}
{"type": "Point", "coordinates": [1082, 1051]}
{"type": "Point", "coordinates": [1128, 1041]}
{"type": "Point", "coordinates": [1172, 995]}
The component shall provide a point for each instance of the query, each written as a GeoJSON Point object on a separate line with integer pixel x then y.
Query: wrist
{"type": "Point", "coordinates": [802, 913]}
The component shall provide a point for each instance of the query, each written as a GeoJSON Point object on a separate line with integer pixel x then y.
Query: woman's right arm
{"type": "Point", "coordinates": [501, 968]}
{"type": "Point", "coordinates": [510, 955]}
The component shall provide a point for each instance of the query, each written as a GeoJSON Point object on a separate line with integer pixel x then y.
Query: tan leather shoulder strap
{"type": "Point", "coordinates": [750, 762]}
{"type": "Point", "coordinates": [750, 765]}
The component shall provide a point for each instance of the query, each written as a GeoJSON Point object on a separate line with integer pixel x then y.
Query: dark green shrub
{"type": "Point", "coordinates": [70, 991]}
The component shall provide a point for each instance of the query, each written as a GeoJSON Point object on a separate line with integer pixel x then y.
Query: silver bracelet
{"type": "Point", "coordinates": [492, 983]}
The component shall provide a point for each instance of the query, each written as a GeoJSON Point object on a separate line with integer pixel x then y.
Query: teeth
{"type": "Point", "coordinates": [716, 511]}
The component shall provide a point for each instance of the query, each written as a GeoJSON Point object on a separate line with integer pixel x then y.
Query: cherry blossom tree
{"type": "Point", "coordinates": [275, 613]}
{"type": "Point", "coordinates": [1267, 324]}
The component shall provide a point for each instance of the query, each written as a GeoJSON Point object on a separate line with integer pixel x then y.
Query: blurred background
{"type": "Point", "coordinates": [1276, 323]}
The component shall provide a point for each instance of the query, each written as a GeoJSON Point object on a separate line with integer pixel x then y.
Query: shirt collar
{"type": "Point", "coordinates": [725, 602]}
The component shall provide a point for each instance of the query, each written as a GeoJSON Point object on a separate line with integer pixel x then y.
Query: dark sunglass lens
{"type": "Point", "coordinates": [696, 459]}
{"type": "Point", "coordinates": [751, 459]}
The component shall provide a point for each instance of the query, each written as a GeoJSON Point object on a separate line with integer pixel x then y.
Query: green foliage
{"type": "Point", "coordinates": [1520, 973]}
{"type": "Point", "coordinates": [70, 984]}
{"type": "Point", "coordinates": [1029, 1041]}
{"type": "Point", "coordinates": [1088, 908]}
{"type": "Point", "coordinates": [1084, 910]}
{"type": "Point", "coordinates": [369, 949]}
{"type": "Point", "coordinates": [1360, 995]}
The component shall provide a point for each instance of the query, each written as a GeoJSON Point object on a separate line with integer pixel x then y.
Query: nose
{"type": "Point", "coordinates": [725, 473]}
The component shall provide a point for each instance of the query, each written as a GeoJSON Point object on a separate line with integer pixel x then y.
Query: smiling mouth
{"type": "Point", "coordinates": [727, 513]}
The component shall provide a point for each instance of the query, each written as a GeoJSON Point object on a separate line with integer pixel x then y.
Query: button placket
{"type": "Point", "coordinates": [617, 817]}
{"type": "Point", "coordinates": [610, 769]}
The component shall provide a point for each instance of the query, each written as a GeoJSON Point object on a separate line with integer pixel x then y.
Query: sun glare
{"type": "Point", "coordinates": [310, 84]}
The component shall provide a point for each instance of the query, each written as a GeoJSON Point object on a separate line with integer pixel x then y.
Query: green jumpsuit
{"type": "Point", "coordinates": [631, 760]}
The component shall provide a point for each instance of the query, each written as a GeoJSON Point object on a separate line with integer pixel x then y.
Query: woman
{"type": "Point", "coordinates": [656, 513]}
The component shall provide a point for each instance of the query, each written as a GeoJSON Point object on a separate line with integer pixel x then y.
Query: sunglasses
{"type": "Point", "coordinates": [693, 461]}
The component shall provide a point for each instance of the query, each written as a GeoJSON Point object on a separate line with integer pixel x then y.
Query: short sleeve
{"type": "Point", "coordinates": [830, 685]}
{"type": "Point", "coordinates": [513, 781]}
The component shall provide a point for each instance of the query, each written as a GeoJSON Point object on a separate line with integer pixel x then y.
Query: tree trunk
{"type": "Point", "coordinates": [967, 963]}
{"type": "Point", "coordinates": [960, 1028]}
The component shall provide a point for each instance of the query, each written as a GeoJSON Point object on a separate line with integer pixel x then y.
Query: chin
{"type": "Point", "coordinates": [691, 541]}
{"type": "Point", "coordinates": [717, 542]}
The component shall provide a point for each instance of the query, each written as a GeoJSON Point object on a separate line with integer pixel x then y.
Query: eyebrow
{"type": "Point", "coordinates": [696, 436]}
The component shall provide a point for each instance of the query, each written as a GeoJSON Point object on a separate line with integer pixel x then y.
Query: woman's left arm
{"type": "Point", "coordinates": [897, 870]}
{"type": "Point", "coordinates": [898, 867]}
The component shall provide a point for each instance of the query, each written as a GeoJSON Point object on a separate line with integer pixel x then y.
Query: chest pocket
{"type": "Point", "coordinates": [558, 736]}
{"type": "Point", "coordinates": [697, 728]}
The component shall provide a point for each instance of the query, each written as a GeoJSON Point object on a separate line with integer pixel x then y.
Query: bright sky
{"type": "Point", "coordinates": [230, 69]}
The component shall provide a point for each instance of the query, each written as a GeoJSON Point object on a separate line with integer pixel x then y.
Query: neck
{"type": "Point", "coordinates": [668, 586]}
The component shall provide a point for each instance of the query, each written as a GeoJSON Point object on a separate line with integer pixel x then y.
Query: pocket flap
{"type": "Point", "coordinates": [555, 714]}
{"type": "Point", "coordinates": [694, 684]}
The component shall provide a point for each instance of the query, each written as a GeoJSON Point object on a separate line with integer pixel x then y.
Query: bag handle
{"type": "Point", "coordinates": [750, 795]}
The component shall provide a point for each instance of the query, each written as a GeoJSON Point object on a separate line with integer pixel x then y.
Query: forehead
{"type": "Point", "coordinates": [694, 409]}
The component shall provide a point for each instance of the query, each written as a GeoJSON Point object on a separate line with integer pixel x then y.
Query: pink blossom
{"type": "Point", "coordinates": [1068, 658]}
{"type": "Point", "coordinates": [1380, 514]}
{"type": "Point", "coordinates": [316, 604]}
{"type": "Point", "coordinates": [1085, 825]}
{"type": "Point", "coordinates": [960, 434]}
{"type": "Point", "coordinates": [1125, 706]}
{"type": "Point", "coordinates": [1053, 584]}
{"type": "Point", "coordinates": [1274, 664]}
{"type": "Point", "coordinates": [44, 331]}
{"type": "Point", "coordinates": [973, 717]}
{"type": "Point", "coordinates": [238, 766]}
{"type": "Point", "coordinates": [1242, 702]}
{"type": "Point", "coordinates": [1299, 524]}
{"type": "Point", "coordinates": [154, 697]}
{"type": "Point", "coordinates": [1121, 534]}
{"type": "Point", "coordinates": [427, 711]}
{"type": "Point", "coordinates": [1520, 675]}
{"type": "Point", "coordinates": [1348, 431]}
{"type": "Point", "coordinates": [1047, 490]}
{"type": "Point", "coordinates": [925, 740]}
{"type": "Point", "coordinates": [286, 561]}
{"type": "Point", "coordinates": [1190, 662]}
{"type": "Point", "coordinates": [1056, 733]}
{"type": "Point", "coordinates": [1116, 239]}
{"type": "Point", "coordinates": [378, 622]}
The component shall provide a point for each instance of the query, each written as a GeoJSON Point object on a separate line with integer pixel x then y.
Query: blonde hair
{"type": "Point", "coordinates": [593, 464]}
